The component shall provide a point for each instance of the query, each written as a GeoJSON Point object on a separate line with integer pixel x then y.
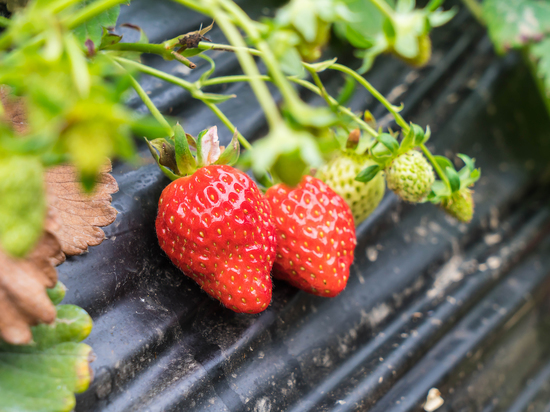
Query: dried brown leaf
{"type": "Point", "coordinates": [14, 109]}
{"type": "Point", "coordinates": [23, 282]}
{"type": "Point", "coordinates": [80, 215]}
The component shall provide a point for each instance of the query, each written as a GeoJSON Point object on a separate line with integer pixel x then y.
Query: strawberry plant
{"type": "Point", "coordinates": [66, 74]}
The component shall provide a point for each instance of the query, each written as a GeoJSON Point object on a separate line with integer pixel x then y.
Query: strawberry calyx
{"type": "Point", "coordinates": [183, 154]}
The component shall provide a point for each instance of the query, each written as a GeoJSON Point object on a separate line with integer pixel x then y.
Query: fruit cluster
{"type": "Point", "coordinates": [216, 225]}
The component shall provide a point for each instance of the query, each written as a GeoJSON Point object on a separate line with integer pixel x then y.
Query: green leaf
{"type": "Point", "coordinates": [93, 28]}
{"type": "Point", "coordinates": [514, 23]}
{"type": "Point", "coordinates": [45, 374]}
{"type": "Point", "coordinates": [389, 142]}
{"type": "Point", "coordinates": [367, 174]}
{"type": "Point", "coordinates": [169, 173]}
{"type": "Point", "coordinates": [22, 203]}
{"type": "Point", "coordinates": [454, 179]}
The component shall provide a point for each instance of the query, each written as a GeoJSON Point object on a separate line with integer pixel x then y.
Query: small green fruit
{"type": "Point", "coordinates": [362, 198]}
{"type": "Point", "coordinates": [460, 205]}
{"type": "Point", "coordinates": [424, 52]}
{"type": "Point", "coordinates": [410, 176]}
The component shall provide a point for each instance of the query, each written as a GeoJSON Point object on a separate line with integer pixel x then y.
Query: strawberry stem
{"type": "Point", "coordinates": [148, 102]}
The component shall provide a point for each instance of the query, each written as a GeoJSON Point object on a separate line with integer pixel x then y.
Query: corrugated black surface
{"type": "Point", "coordinates": [429, 303]}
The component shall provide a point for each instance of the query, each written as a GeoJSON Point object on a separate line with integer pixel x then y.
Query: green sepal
{"type": "Point", "coordinates": [200, 160]}
{"type": "Point", "coordinates": [57, 293]}
{"type": "Point", "coordinates": [408, 141]}
{"type": "Point", "coordinates": [443, 162]}
{"type": "Point", "coordinates": [468, 161]}
{"type": "Point", "coordinates": [367, 174]}
{"type": "Point", "coordinates": [230, 155]}
{"type": "Point", "coordinates": [185, 161]}
{"type": "Point", "coordinates": [170, 174]}
{"type": "Point", "coordinates": [322, 66]}
{"type": "Point", "coordinates": [454, 179]}
{"type": "Point", "coordinates": [389, 142]}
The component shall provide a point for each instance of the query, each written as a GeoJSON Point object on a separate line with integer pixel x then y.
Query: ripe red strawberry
{"type": "Point", "coordinates": [315, 236]}
{"type": "Point", "coordinates": [216, 226]}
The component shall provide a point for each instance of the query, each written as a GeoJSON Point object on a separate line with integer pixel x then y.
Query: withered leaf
{"type": "Point", "coordinates": [23, 282]}
{"type": "Point", "coordinates": [14, 109]}
{"type": "Point", "coordinates": [80, 215]}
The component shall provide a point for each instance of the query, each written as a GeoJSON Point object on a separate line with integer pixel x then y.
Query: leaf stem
{"type": "Point", "coordinates": [228, 124]}
{"type": "Point", "coordinates": [436, 166]}
{"type": "Point", "coordinates": [228, 48]}
{"type": "Point", "coordinates": [148, 102]}
{"type": "Point", "coordinates": [377, 95]}
{"type": "Point", "coordinates": [249, 67]}
{"type": "Point", "coordinates": [190, 87]}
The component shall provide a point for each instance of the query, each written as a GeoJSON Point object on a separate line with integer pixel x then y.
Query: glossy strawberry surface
{"type": "Point", "coordinates": [216, 226]}
{"type": "Point", "coordinates": [315, 236]}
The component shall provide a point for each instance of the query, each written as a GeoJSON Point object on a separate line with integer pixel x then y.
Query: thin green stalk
{"type": "Point", "coordinates": [436, 166]}
{"type": "Point", "coordinates": [157, 73]}
{"type": "Point", "coordinates": [476, 9]}
{"type": "Point", "coordinates": [187, 86]}
{"type": "Point", "coordinates": [94, 9]}
{"type": "Point", "coordinates": [377, 95]}
{"type": "Point", "coordinates": [319, 84]}
{"type": "Point", "coordinates": [362, 124]}
{"type": "Point", "coordinates": [384, 8]}
{"type": "Point", "coordinates": [148, 102]}
{"type": "Point", "coordinates": [279, 79]}
{"type": "Point", "coordinates": [232, 79]}
{"type": "Point", "coordinates": [140, 48]}
{"type": "Point", "coordinates": [228, 48]}
{"type": "Point", "coordinates": [304, 83]}
{"type": "Point", "coordinates": [193, 5]}
{"type": "Point", "coordinates": [228, 124]}
{"type": "Point", "coordinates": [249, 67]}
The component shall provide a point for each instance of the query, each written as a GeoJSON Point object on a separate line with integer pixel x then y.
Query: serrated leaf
{"type": "Point", "coordinates": [45, 374]}
{"type": "Point", "coordinates": [454, 179]}
{"type": "Point", "coordinates": [93, 28]}
{"type": "Point", "coordinates": [514, 23]}
{"type": "Point", "coordinates": [367, 174]}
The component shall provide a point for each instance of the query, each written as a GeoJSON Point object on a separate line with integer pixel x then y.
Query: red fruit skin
{"type": "Point", "coordinates": [315, 237]}
{"type": "Point", "coordinates": [216, 227]}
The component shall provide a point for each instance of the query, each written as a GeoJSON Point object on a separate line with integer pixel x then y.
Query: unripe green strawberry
{"type": "Point", "coordinates": [362, 198]}
{"type": "Point", "coordinates": [424, 52]}
{"type": "Point", "coordinates": [410, 176]}
{"type": "Point", "coordinates": [460, 205]}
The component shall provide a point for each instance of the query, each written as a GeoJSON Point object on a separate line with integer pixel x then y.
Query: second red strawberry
{"type": "Point", "coordinates": [315, 236]}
